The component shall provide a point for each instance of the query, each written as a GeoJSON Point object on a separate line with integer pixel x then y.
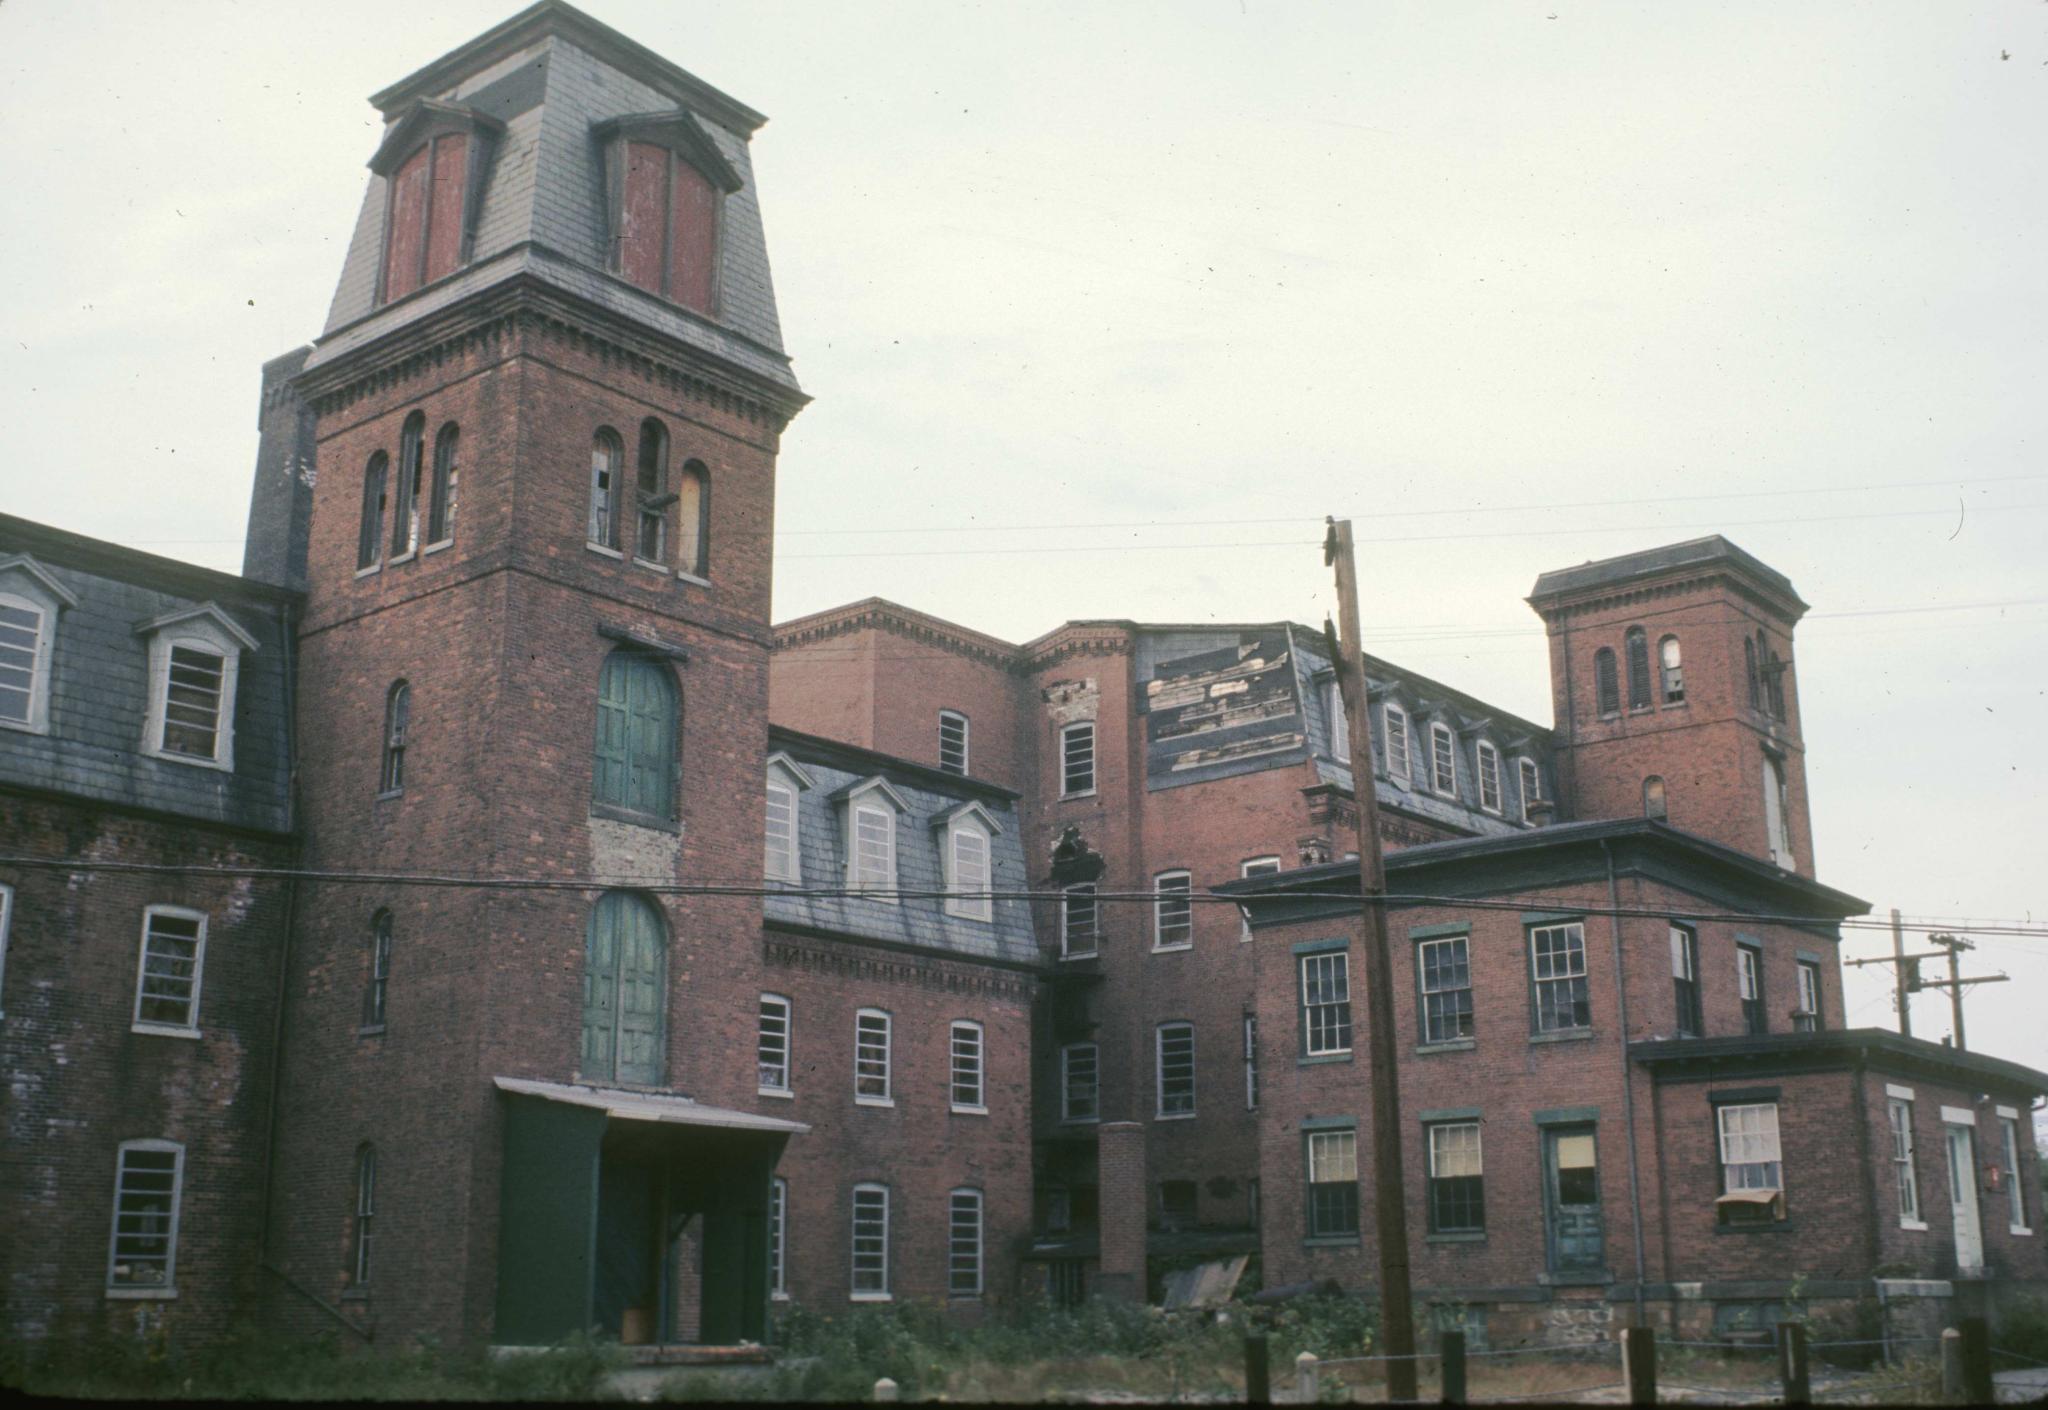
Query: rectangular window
{"type": "Point", "coordinates": [1079, 920]}
{"type": "Point", "coordinates": [1749, 976]}
{"type": "Point", "coordinates": [366, 1216]}
{"type": "Point", "coordinates": [1685, 982]}
{"type": "Point", "coordinates": [1179, 1205]}
{"type": "Point", "coordinates": [1532, 785]}
{"type": "Point", "coordinates": [771, 1046]}
{"type": "Point", "coordinates": [173, 956]}
{"type": "Point", "coordinates": [1398, 761]}
{"type": "Point", "coordinates": [1809, 1018]}
{"type": "Point", "coordinates": [871, 1058]}
{"type": "Point", "coordinates": [1080, 1094]}
{"type": "Point", "coordinates": [21, 653]}
{"type": "Point", "coordinates": [2015, 1184]}
{"type": "Point", "coordinates": [1175, 1057]}
{"type": "Point", "coordinates": [1489, 777]}
{"type": "Point", "coordinates": [781, 861]}
{"type": "Point", "coordinates": [192, 701]}
{"type": "Point", "coordinates": [6, 921]}
{"type": "Point", "coordinates": [1340, 722]}
{"type": "Point", "coordinates": [1173, 920]}
{"type": "Point", "coordinates": [952, 742]}
{"type": "Point", "coordinates": [1751, 1166]}
{"type": "Point", "coordinates": [1251, 1062]}
{"type": "Point", "coordinates": [870, 1243]}
{"type": "Point", "coordinates": [778, 1237]}
{"type": "Point", "coordinates": [1446, 969]}
{"type": "Point", "coordinates": [963, 1244]}
{"type": "Point", "coordinates": [1777, 807]}
{"type": "Point", "coordinates": [1443, 760]}
{"type": "Point", "coordinates": [967, 1068]}
{"type": "Point", "coordinates": [142, 1251]}
{"type": "Point", "coordinates": [1077, 759]}
{"type": "Point", "coordinates": [1907, 1179]}
{"type": "Point", "coordinates": [874, 850]}
{"type": "Point", "coordinates": [1256, 866]}
{"type": "Point", "coordinates": [1325, 1004]}
{"type": "Point", "coordinates": [1457, 1199]}
{"type": "Point", "coordinates": [1332, 1184]}
{"type": "Point", "coordinates": [970, 899]}
{"type": "Point", "coordinates": [1557, 960]}
{"type": "Point", "coordinates": [379, 992]}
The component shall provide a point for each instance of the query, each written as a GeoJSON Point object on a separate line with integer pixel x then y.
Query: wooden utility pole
{"type": "Point", "coordinates": [1905, 991]}
{"type": "Point", "coordinates": [1390, 1203]}
{"type": "Point", "coordinates": [1955, 983]}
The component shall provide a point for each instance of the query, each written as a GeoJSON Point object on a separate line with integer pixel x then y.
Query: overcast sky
{"type": "Point", "coordinates": [1105, 306]}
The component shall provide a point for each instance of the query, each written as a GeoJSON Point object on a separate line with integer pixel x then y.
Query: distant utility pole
{"type": "Point", "coordinates": [1390, 1208]}
{"type": "Point", "coordinates": [1905, 990]}
{"type": "Point", "coordinates": [1955, 983]}
{"type": "Point", "coordinates": [1907, 968]}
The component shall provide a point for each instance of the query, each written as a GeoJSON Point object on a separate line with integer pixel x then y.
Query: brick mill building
{"type": "Point", "coordinates": [477, 921]}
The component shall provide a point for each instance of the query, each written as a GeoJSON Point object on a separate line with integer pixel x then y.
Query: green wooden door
{"type": "Point", "coordinates": [634, 761]}
{"type": "Point", "coordinates": [625, 988]}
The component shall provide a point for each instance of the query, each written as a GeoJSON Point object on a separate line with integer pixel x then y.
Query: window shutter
{"type": "Point", "coordinates": [641, 987]}
{"type": "Point", "coordinates": [650, 740]}
{"type": "Point", "coordinates": [600, 991]}
{"type": "Point", "coordinates": [693, 227]}
{"type": "Point", "coordinates": [444, 218]}
{"type": "Point", "coordinates": [610, 764]}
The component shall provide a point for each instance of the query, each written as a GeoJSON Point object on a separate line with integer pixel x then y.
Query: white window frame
{"type": "Point", "coordinates": [2015, 1187]}
{"type": "Point", "coordinates": [1160, 1111]}
{"type": "Point", "coordinates": [1905, 1171]}
{"type": "Point", "coordinates": [1758, 1142]}
{"type": "Point", "coordinates": [1489, 777]}
{"type": "Point", "coordinates": [965, 1197]}
{"type": "Point", "coordinates": [1320, 1150]}
{"type": "Point", "coordinates": [860, 875]}
{"type": "Point", "coordinates": [205, 629]}
{"type": "Point", "coordinates": [189, 1028]}
{"type": "Point", "coordinates": [26, 584]}
{"type": "Point", "coordinates": [1068, 734]}
{"type": "Point", "coordinates": [766, 1084]}
{"type": "Point", "coordinates": [1067, 896]}
{"type": "Point", "coordinates": [880, 1267]}
{"type": "Point", "coordinates": [970, 899]}
{"type": "Point", "coordinates": [863, 1050]}
{"type": "Point", "coordinates": [947, 717]}
{"type": "Point", "coordinates": [1400, 743]}
{"type": "Point", "coordinates": [1330, 972]}
{"type": "Point", "coordinates": [1777, 807]}
{"type": "Point", "coordinates": [6, 926]}
{"type": "Point", "coordinates": [970, 1062]}
{"type": "Point", "coordinates": [1809, 982]}
{"type": "Point", "coordinates": [778, 1238]}
{"type": "Point", "coordinates": [1251, 1062]}
{"type": "Point", "coordinates": [1340, 722]}
{"type": "Point", "coordinates": [1253, 866]}
{"type": "Point", "coordinates": [1438, 782]}
{"type": "Point", "coordinates": [1173, 891]}
{"type": "Point", "coordinates": [1531, 780]}
{"type": "Point", "coordinates": [1068, 1054]}
{"type": "Point", "coordinates": [167, 1287]}
{"type": "Point", "coordinates": [787, 867]}
{"type": "Point", "coordinates": [1564, 975]}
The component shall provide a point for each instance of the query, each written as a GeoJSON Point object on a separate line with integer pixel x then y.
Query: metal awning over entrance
{"type": "Point", "coordinates": [597, 1189]}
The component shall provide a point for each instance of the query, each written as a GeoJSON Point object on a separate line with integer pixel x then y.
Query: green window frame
{"type": "Point", "coordinates": [634, 767]}
{"type": "Point", "coordinates": [625, 991]}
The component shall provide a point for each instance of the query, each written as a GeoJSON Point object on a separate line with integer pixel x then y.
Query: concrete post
{"type": "Point", "coordinates": [885, 1389]}
{"type": "Point", "coordinates": [1952, 1367]}
{"type": "Point", "coordinates": [1639, 1364]}
{"type": "Point", "coordinates": [1122, 1203]}
{"type": "Point", "coordinates": [1308, 1379]}
{"type": "Point", "coordinates": [1258, 1378]}
{"type": "Point", "coordinates": [1792, 1368]}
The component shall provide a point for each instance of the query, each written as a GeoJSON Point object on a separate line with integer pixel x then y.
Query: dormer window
{"type": "Point", "coordinates": [965, 835]}
{"type": "Point", "coordinates": [433, 160]}
{"type": "Point", "coordinates": [30, 599]}
{"type": "Point", "coordinates": [872, 807]}
{"type": "Point", "coordinates": [786, 780]}
{"type": "Point", "coordinates": [665, 182]}
{"type": "Point", "coordinates": [194, 659]}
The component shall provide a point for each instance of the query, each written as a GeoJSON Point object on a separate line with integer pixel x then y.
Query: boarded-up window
{"type": "Point", "coordinates": [423, 230]}
{"type": "Point", "coordinates": [668, 226]}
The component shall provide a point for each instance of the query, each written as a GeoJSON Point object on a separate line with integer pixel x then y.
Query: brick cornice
{"type": "Point", "coordinates": [1076, 639]}
{"type": "Point", "coordinates": [852, 960]}
{"type": "Point", "coordinates": [882, 615]}
{"type": "Point", "coordinates": [1565, 612]}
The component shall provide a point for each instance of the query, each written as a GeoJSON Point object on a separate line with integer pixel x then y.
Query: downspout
{"type": "Point", "coordinates": [1870, 1239]}
{"type": "Point", "coordinates": [1628, 1091]}
{"type": "Point", "coordinates": [287, 629]}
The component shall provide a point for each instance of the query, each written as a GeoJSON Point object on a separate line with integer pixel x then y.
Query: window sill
{"type": "Point", "coordinates": [969, 1111]}
{"type": "Point", "coordinates": [870, 1297]}
{"type": "Point", "coordinates": [142, 1294]}
{"type": "Point", "coordinates": [369, 572]}
{"type": "Point", "coordinates": [1080, 1121]}
{"type": "Point", "coordinates": [1318, 1059]}
{"type": "Point", "coordinates": [601, 549]}
{"type": "Point", "coordinates": [1774, 1226]}
{"type": "Point", "coordinates": [779, 1093]}
{"type": "Point", "coordinates": [874, 1101]}
{"type": "Point", "coordinates": [778, 1297]}
{"type": "Point", "coordinates": [1173, 1116]}
{"type": "Point", "coordinates": [1074, 797]}
{"type": "Point", "coordinates": [370, 1030]}
{"type": "Point", "coordinates": [197, 761]}
{"type": "Point", "coordinates": [1448, 1045]}
{"type": "Point", "coordinates": [661, 568]}
{"type": "Point", "coordinates": [1172, 949]}
{"type": "Point", "coordinates": [952, 914]}
{"type": "Point", "coordinates": [388, 794]}
{"type": "Point", "coordinates": [1082, 955]}
{"type": "Point", "coordinates": [611, 812]}
{"type": "Point", "coordinates": [405, 557]}
{"type": "Point", "coordinates": [1457, 1236]}
{"type": "Point", "coordinates": [1331, 1241]}
{"type": "Point", "coordinates": [437, 547]}
{"type": "Point", "coordinates": [1674, 705]}
{"type": "Point", "coordinates": [1575, 1280]}
{"type": "Point", "coordinates": [2019, 1231]}
{"type": "Point", "coordinates": [356, 1295]}
{"type": "Point", "coordinates": [162, 1030]}
{"type": "Point", "coordinates": [1563, 1035]}
{"type": "Point", "coordinates": [683, 577]}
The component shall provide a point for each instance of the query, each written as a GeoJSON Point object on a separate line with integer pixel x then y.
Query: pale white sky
{"type": "Point", "coordinates": [1110, 304]}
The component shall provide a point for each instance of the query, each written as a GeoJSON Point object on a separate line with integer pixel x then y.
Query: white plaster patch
{"type": "Point", "coordinates": [1069, 701]}
{"type": "Point", "coordinates": [626, 854]}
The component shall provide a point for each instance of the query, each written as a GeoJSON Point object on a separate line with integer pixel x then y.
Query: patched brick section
{"type": "Point", "coordinates": [1125, 1180]}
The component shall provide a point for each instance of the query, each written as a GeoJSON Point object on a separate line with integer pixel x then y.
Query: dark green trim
{"type": "Point", "coordinates": [1440, 932]}
{"type": "Point", "coordinates": [1329, 1123]}
{"type": "Point", "coordinates": [1562, 1035]}
{"type": "Point", "coordinates": [1330, 1241]}
{"type": "Point", "coordinates": [1737, 1096]}
{"type": "Point", "coordinates": [1551, 917]}
{"type": "Point", "coordinates": [1566, 1116]}
{"type": "Point", "coordinates": [1449, 1113]}
{"type": "Point", "coordinates": [1457, 1236]}
{"type": "Point", "coordinates": [1320, 1058]}
{"type": "Point", "coordinates": [1808, 956]}
{"type": "Point", "coordinates": [1454, 1045]}
{"type": "Point", "coordinates": [1319, 947]}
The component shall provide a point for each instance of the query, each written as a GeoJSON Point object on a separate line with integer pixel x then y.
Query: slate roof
{"type": "Point", "coordinates": [100, 682]}
{"type": "Point", "coordinates": [551, 75]}
{"type": "Point", "coordinates": [919, 923]}
{"type": "Point", "coordinates": [1627, 567]}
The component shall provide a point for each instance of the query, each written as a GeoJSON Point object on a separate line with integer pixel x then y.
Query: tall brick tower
{"type": "Point", "coordinates": [1671, 672]}
{"type": "Point", "coordinates": [533, 661]}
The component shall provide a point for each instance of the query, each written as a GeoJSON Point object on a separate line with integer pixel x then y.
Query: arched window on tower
{"type": "Point", "coordinates": [433, 159]}
{"type": "Point", "coordinates": [693, 520]}
{"type": "Point", "coordinates": [635, 762]}
{"type": "Point", "coordinates": [397, 717]}
{"type": "Point", "coordinates": [1637, 645]}
{"type": "Point", "coordinates": [1605, 685]}
{"type": "Point", "coordinates": [605, 456]}
{"type": "Point", "coordinates": [1671, 669]}
{"type": "Point", "coordinates": [370, 537]}
{"type": "Point", "coordinates": [1749, 667]}
{"type": "Point", "coordinates": [666, 182]}
{"type": "Point", "coordinates": [625, 991]}
{"type": "Point", "coordinates": [377, 994]}
{"type": "Point", "coordinates": [362, 1236]}
{"type": "Point", "coordinates": [1653, 797]}
{"type": "Point", "coordinates": [405, 508]}
{"type": "Point", "coordinates": [441, 502]}
{"type": "Point", "coordinates": [650, 486]}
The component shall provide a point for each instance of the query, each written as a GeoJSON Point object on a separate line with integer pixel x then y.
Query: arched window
{"type": "Point", "coordinates": [397, 715]}
{"type": "Point", "coordinates": [1673, 672]}
{"type": "Point", "coordinates": [650, 483]}
{"type": "Point", "coordinates": [1653, 797]}
{"type": "Point", "coordinates": [635, 765]}
{"type": "Point", "coordinates": [1605, 685]}
{"type": "Point", "coordinates": [693, 520]}
{"type": "Point", "coordinates": [364, 1233]}
{"type": "Point", "coordinates": [605, 455]}
{"type": "Point", "coordinates": [625, 991]}
{"type": "Point", "coordinates": [1638, 646]}
{"type": "Point", "coordinates": [405, 510]}
{"type": "Point", "coordinates": [441, 503]}
{"type": "Point", "coordinates": [380, 971]}
{"type": "Point", "coordinates": [1749, 666]}
{"type": "Point", "coordinates": [370, 538]}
